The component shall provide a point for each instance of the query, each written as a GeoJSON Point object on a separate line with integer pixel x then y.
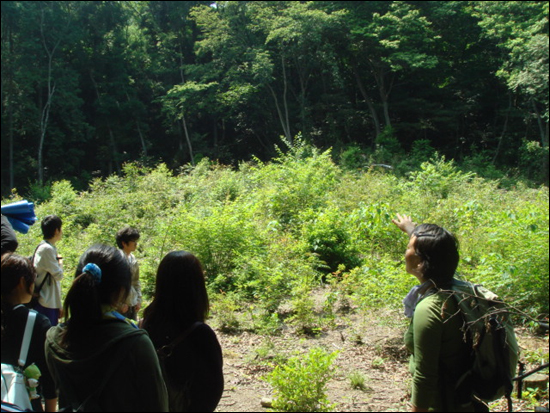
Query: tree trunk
{"type": "Point", "coordinates": [187, 137]}
{"type": "Point", "coordinates": [183, 120]}
{"type": "Point", "coordinates": [543, 130]}
{"type": "Point", "coordinates": [370, 105]}
{"type": "Point", "coordinates": [384, 96]}
{"type": "Point", "coordinates": [385, 92]}
{"type": "Point", "coordinates": [114, 151]}
{"type": "Point", "coordinates": [43, 128]}
{"type": "Point", "coordinates": [215, 135]}
{"type": "Point", "coordinates": [504, 128]}
{"type": "Point", "coordinates": [285, 103]}
{"type": "Point", "coordinates": [545, 159]}
{"type": "Point", "coordinates": [12, 180]}
{"type": "Point", "coordinates": [142, 139]}
{"type": "Point", "coordinates": [45, 116]}
{"type": "Point", "coordinates": [279, 113]}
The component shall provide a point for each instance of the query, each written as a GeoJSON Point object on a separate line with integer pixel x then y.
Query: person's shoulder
{"type": "Point", "coordinates": [44, 247]}
{"type": "Point", "coordinates": [431, 302]}
{"type": "Point", "coordinates": [5, 222]}
{"type": "Point", "coordinates": [43, 321]}
{"type": "Point", "coordinates": [203, 332]}
{"type": "Point", "coordinates": [439, 305]}
{"type": "Point", "coordinates": [21, 311]}
{"type": "Point", "coordinates": [132, 260]}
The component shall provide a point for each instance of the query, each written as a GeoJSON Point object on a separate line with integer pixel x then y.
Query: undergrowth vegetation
{"type": "Point", "coordinates": [270, 233]}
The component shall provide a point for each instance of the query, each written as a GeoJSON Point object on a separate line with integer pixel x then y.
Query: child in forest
{"type": "Point", "coordinates": [126, 240]}
{"type": "Point", "coordinates": [49, 270]}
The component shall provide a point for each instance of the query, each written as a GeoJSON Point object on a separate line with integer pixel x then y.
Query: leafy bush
{"type": "Point", "coordinates": [300, 384]}
{"type": "Point", "coordinates": [372, 228]}
{"type": "Point", "coordinates": [298, 180]}
{"type": "Point", "coordinates": [328, 235]}
{"type": "Point", "coordinates": [268, 232]}
{"type": "Point", "coordinates": [218, 236]}
{"type": "Point", "coordinates": [269, 276]}
{"type": "Point", "coordinates": [353, 158]}
{"type": "Point", "coordinates": [381, 282]}
{"type": "Point", "coordinates": [438, 177]}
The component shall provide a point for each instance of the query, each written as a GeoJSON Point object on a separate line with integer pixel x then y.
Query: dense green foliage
{"type": "Point", "coordinates": [88, 86]}
{"type": "Point", "coordinates": [300, 384]}
{"type": "Point", "coordinates": [270, 233]}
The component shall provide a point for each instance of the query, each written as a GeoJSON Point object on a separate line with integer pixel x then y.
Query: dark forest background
{"type": "Point", "coordinates": [90, 85]}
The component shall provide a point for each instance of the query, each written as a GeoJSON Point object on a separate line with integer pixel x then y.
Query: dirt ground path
{"type": "Point", "coordinates": [369, 345]}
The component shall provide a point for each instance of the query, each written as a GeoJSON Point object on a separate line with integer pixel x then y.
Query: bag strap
{"type": "Point", "coordinates": [47, 276]}
{"type": "Point", "coordinates": [36, 249]}
{"type": "Point", "coordinates": [166, 351]}
{"type": "Point", "coordinates": [39, 288]}
{"type": "Point", "coordinates": [27, 336]}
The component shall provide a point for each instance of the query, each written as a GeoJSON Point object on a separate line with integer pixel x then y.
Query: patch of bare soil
{"type": "Point", "coordinates": [371, 346]}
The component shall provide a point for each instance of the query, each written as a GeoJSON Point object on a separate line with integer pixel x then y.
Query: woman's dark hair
{"type": "Point", "coordinates": [438, 249]}
{"type": "Point", "coordinates": [84, 299]}
{"type": "Point", "coordinates": [49, 225]}
{"type": "Point", "coordinates": [126, 235]}
{"type": "Point", "coordinates": [180, 294]}
{"type": "Point", "coordinates": [15, 267]}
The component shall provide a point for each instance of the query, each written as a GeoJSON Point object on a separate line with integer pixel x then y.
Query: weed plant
{"type": "Point", "coordinates": [300, 384]}
{"type": "Point", "coordinates": [269, 233]}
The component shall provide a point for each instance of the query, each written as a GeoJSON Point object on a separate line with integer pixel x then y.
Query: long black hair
{"type": "Point", "coordinates": [15, 267]}
{"type": "Point", "coordinates": [87, 294]}
{"type": "Point", "coordinates": [180, 297]}
{"type": "Point", "coordinates": [438, 249]}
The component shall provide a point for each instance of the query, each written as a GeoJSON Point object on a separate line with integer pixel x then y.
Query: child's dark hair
{"type": "Point", "coordinates": [126, 235]}
{"type": "Point", "coordinates": [180, 293]}
{"type": "Point", "coordinates": [438, 249]}
{"type": "Point", "coordinates": [15, 267]}
{"type": "Point", "coordinates": [49, 225]}
{"type": "Point", "coordinates": [87, 294]}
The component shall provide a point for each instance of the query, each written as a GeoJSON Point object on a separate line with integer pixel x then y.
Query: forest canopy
{"type": "Point", "coordinates": [88, 85]}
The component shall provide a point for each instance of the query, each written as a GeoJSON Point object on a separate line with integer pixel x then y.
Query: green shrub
{"type": "Point", "coordinates": [225, 309]}
{"type": "Point", "coordinates": [357, 381]}
{"type": "Point", "coordinates": [300, 384]}
{"type": "Point", "coordinates": [380, 282]}
{"type": "Point", "coordinates": [267, 232]}
{"type": "Point", "coordinates": [218, 236]}
{"type": "Point", "coordinates": [304, 317]}
{"type": "Point", "coordinates": [438, 177]}
{"type": "Point", "coordinates": [296, 181]}
{"type": "Point", "coordinates": [372, 229]}
{"type": "Point", "coordinates": [328, 235]}
{"type": "Point", "coordinates": [269, 275]}
{"type": "Point", "coordinates": [353, 158]}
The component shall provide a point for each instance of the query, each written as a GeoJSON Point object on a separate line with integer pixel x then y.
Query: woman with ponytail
{"type": "Point", "coordinates": [99, 359]}
{"type": "Point", "coordinates": [18, 278]}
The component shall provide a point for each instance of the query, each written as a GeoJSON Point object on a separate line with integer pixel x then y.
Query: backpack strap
{"type": "Point", "coordinates": [166, 351]}
{"type": "Point", "coordinates": [27, 336]}
{"type": "Point", "coordinates": [46, 277]}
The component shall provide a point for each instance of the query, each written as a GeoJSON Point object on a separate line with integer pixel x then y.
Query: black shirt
{"type": "Point", "coordinates": [9, 240]}
{"type": "Point", "coordinates": [194, 371]}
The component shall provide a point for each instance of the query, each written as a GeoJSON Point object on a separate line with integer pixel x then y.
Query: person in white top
{"type": "Point", "coordinates": [126, 240]}
{"type": "Point", "coordinates": [49, 270]}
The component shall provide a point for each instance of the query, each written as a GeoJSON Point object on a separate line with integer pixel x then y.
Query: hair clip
{"type": "Point", "coordinates": [94, 271]}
